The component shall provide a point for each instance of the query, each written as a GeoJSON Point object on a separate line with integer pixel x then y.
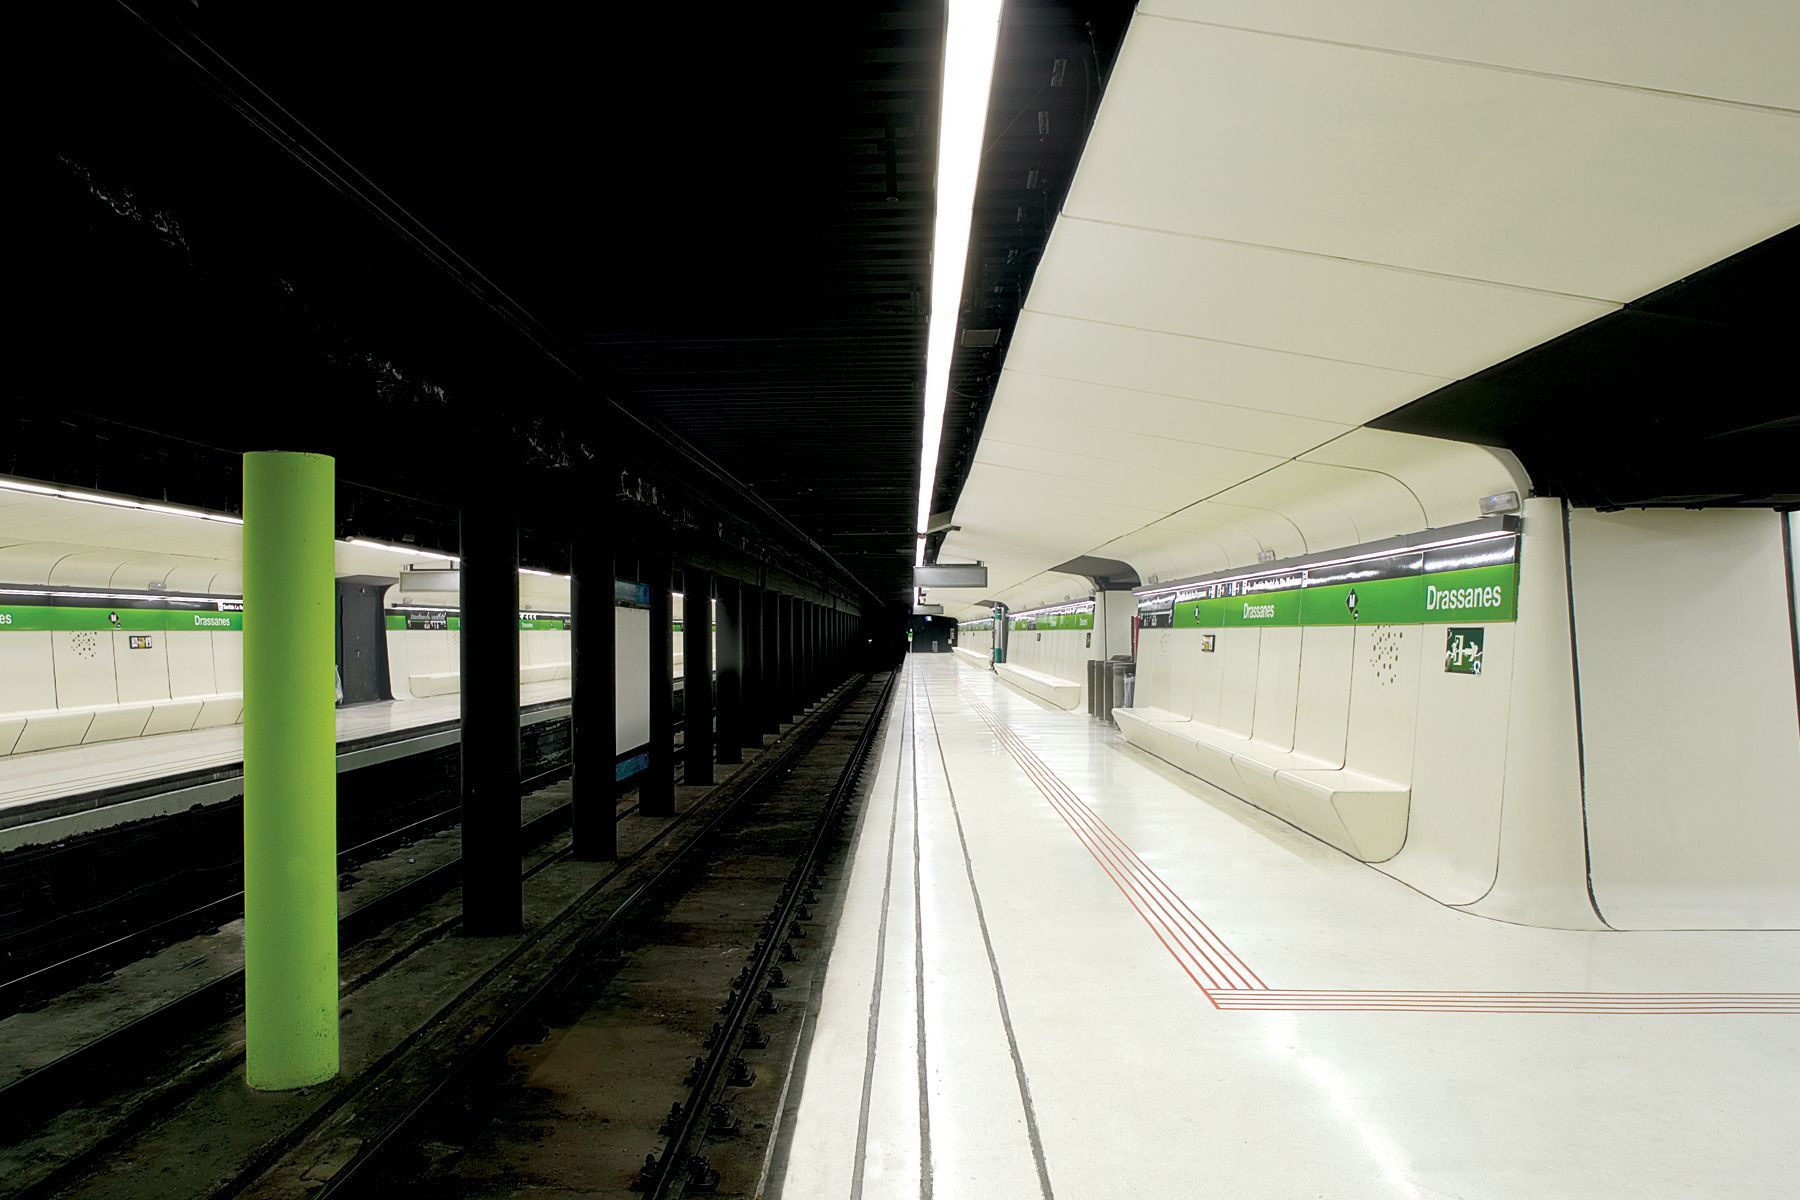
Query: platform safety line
{"type": "Point", "coordinates": [1158, 904]}
{"type": "Point", "coordinates": [1565, 1003]}
{"type": "Point", "coordinates": [1127, 869]}
{"type": "Point", "coordinates": [1132, 875]}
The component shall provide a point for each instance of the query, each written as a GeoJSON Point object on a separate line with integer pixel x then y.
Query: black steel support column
{"type": "Point", "coordinates": [784, 655]}
{"type": "Point", "coordinates": [492, 896]}
{"type": "Point", "coordinates": [730, 650]}
{"type": "Point", "coordinates": [815, 625]}
{"type": "Point", "coordinates": [656, 789]}
{"type": "Point", "coordinates": [594, 695]}
{"type": "Point", "coordinates": [752, 684]}
{"type": "Point", "coordinates": [697, 677]}
{"type": "Point", "coordinates": [774, 686]}
{"type": "Point", "coordinates": [801, 657]}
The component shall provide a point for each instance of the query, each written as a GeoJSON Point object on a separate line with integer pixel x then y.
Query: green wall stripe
{"type": "Point", "coordinates": [28, 618]}
{"type": "Point", "coordinates": [1485, 593]}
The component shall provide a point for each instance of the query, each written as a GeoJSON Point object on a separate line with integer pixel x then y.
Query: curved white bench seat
{"type": "Point", "coordinates": [974, 657]}
{"type": "Point", "coordinates": [435, 683]}
{"type": "Point", "coordinates": [1362, 814]}
{"type": "Point", "coordinates": [442, 683]}
{"type": "Point", "coordinates": [1053, 689]}
{"type": "Point", "coordinates": [1355, 811]}
{"type": "Point", "coordinates": [56, 728]}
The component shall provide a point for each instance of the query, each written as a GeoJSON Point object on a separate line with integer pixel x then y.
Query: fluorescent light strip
{"type": "Point", "coordinates": [409, 551]}
{"type": "Point", "coordinates": [971, 32]}
{"type": "Point", "coordinates": [106, 501]}
{"type": "Point", "coordinates": [170, 510]}
{"type": "Point", "coordinates": [1209, 580]}
{"type": "Point", "coordinates": [1065, 606]}
{"type": "Point", "coordinates": [67, 594]}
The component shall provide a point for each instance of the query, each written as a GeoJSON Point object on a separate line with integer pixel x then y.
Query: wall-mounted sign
{"type": "Point", "coordinates": [1472, 580]}
{"type": "Point", "coordinates": [1462, 650]}
{"type": "Point", "coordinates": [139, 641]}
{"type": "Point", "coordinates": [1209, 642]}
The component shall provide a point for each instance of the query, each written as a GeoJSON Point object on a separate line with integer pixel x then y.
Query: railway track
{"type": "Point", "coordinates": [761, 855]}
{"type": "Point", "coordinates": [368, 934]}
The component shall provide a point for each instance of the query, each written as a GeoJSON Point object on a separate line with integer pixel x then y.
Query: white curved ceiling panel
{"type": "Point", "coordinates": [1263, 383]}
{"type": "Point", "coordinates": [1740, 50]}
{"type": "Point", "coordinates": [1292, 218]}
{"type": "Point", "coordinates": [1024, 402]}
{"type": "Point", "coordinates": [1431, 165]}
{"type": "Point", "coordinates": [1447, 478]}
{"type": "Point", "coordinates": [199, 575]}
{"type": "Point", "coordinates": [1297, 303]}
{"type": "Point", "coordinates": [87, 568]}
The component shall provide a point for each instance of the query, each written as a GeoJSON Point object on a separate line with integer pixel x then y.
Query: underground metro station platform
{"type": "Point", "coordinates": [1001, 598]}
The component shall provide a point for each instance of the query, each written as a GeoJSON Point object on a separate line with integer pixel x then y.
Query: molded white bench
{"type": "Point", "coordinates": [1064, 693]}
{"type": "Point", "coordinates": [435, 683]}
{"type": "Point", "coordinates": [1359, 813]}
{"type": "Point", "coordinates": [56, 728]}
{"type": "Point", "coordinates": [443, 683]}
{"type": "Point", "coordinates": [974, 657]}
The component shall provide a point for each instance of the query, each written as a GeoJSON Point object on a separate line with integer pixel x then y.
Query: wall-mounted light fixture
{"type": "Point", "coordinates": [1499, 502]}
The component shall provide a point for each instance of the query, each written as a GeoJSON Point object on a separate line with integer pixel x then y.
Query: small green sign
{"type": "Point", "coordinates": [1462, 650]}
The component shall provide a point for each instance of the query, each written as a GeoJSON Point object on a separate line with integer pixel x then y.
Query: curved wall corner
{"type": "Point", "coordinates": [1541, 859]}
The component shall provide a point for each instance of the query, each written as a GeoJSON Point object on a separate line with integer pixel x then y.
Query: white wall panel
{"type": "Point", "coordinates": [1322, 706]}
{"type": "Point", "coordinates": [228, 662]}
{"type": "Point", "coordinates": [631, 680]}
{"type": "Point", "coordinates": [1459, 770]}
{"type": "Point", "coordinates": [1542, 876]}
{"type": "Point", "coordinates": [1239, 652]}
{"type": "Point", "coordinates": [143, 674]}
{"type": "Point", "coordinates": [1277, 688]}
{"type": "Point", "coordinates": [84, 669]}
{"type": "Point", "coordinates": [400, 668]}
{"type": "Point", "coordinates": [190, 659]}
{"type": "Point", "coordinates": [27, 672]}
{"type": "Point", "coordinates": [1689, 727]}
{"type": "Point", "coordinates": [1384, 700]}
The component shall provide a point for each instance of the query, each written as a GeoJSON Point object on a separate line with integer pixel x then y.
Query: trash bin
{"type": "Point", "coordinates": [1120, 678]}
{"type": "Point", "coordinates": [1096, 685]}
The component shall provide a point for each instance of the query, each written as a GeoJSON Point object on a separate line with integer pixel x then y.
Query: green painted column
{"type": "Point", "coordinates": [290, 771]}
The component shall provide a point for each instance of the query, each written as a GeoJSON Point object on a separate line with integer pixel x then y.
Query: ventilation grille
{"type": "Point", "coordinates": [1384, 655]}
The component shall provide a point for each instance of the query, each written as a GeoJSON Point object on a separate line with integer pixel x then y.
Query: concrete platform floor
{"type": "Point", "coordinates": [1066, 969]}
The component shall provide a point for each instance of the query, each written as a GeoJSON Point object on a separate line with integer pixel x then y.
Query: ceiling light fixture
{"type": "Point", "coordinates": [409, 551]}
{"type": "Point", "coordinates": [100, 498]}
{"type": "Point", "coordinates": [971, 31]}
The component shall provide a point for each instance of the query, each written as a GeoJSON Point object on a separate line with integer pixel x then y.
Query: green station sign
{"type": "Point", "coordinates": [1464, 583]}
{"type": "Point", "coordinates": [124, 617]}
{"type": "Point", "coordinates": [1066, 619]}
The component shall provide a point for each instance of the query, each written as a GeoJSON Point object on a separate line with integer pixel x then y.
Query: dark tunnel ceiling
{"type": "Point", "coordinates": [1684, 397]}
{"type": "Point", "coordinates": [725, 214]}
